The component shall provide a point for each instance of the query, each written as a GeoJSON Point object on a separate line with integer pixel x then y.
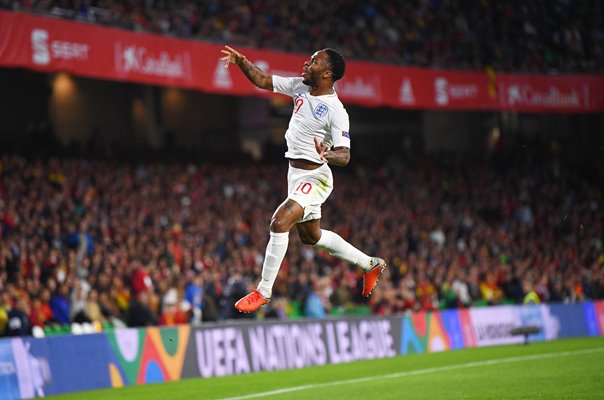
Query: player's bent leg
{"type": "Point", "coordinates": [372, 267]}
{"type": "Point", "coordinates": [371, 276]}
{"type": "Point", "coordinates": [340, 248]}
{"type": "Point", "coordinates": [309, 232]}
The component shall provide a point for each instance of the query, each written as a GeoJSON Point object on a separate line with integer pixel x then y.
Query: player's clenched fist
{"type": "Point", "coordinates": [321, 148]}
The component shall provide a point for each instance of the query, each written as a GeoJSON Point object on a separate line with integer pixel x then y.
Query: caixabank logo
{"type": "Point", "coordinates": [551, 96]}
{"type": "Point", "coordinates": [360, 87]}
{"type": "Point", "coordinates": [45, 49]}
{"type": "Point", "coordinates": [139, 59]}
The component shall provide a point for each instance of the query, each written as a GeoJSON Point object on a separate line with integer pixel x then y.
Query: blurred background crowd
{"type": "Point", "coordinates": [164, 243]}
{"type": "Point", "coordinates": [128, 243]}
{"type": "Point", "coordinates": [506, 35]}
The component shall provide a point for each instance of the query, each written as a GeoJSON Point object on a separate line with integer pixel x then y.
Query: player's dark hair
{"type": "Point", "coordinates": [338, 65]}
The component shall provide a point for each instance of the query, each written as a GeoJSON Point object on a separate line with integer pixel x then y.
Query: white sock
{"type": "Point", "coordinates": [275, 251]}
{"type": "Point", "coordinates": [340, 248]}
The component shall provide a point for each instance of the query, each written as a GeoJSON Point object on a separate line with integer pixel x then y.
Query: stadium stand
{"type": "Point", "coordinates": [88, 240]}
{"type": "Point", "coordinates": [554, 36]}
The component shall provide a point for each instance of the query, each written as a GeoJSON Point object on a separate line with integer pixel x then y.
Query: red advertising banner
{"type": "Point", "coordinates": [46, 44]}
{"type": "Point", "coordinates": [599, 307]}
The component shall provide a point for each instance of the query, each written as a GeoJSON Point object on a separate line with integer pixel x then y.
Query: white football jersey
{"type": "Point", "coordinates": [323, 117]}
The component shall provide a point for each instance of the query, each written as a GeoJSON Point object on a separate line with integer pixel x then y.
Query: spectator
{"type": "Point", "coordinates": [5, 307]}
{"type": "Point", "coordinates": [174, 310]}
{"type": "Point", "coordinates": [277, 309]}
{"type": "Point", "coordinates": [92, 309]}
{"type": "Point", "coordinates": [139, 313]}
{"type": "Point", "coordinates": [460, 288]}
{"type": "Point", "coordinates": [317, 301]}
{"type": "Point", "coordinates": [60, 304]}
{"type": "Point", "coordinates": [78, 304]}
{"type": "Point", "coordinates": [18, 319]}
{"type": "Point", "coordinates": [110, 310]}
{"type": "Point", "coordinates": [41, 313]}
{"type": "Point", "coordinates": [194, 296]}
{"type": "Point", "coordinates": [141, 281]}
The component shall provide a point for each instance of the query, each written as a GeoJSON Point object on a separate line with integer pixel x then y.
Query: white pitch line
{"type": "Point", "coordinates": [419, 372]}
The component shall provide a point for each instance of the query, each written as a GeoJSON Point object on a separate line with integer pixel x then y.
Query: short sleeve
{"type": "Point", "coordinates": [285, 85]}
{"type": "Point", "coordinates": [339, 126]}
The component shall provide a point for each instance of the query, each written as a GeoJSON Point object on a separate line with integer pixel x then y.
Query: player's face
{"type": "Point", "coordinates": [315, 68]}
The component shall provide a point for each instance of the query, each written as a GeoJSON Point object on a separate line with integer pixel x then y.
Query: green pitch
{"type": "Point", "coordinates": [563, 369]}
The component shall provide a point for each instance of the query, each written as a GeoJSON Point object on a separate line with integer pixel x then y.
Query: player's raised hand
{"type": "Point", "coordinates": [231, 56]}
{"type": "Point", "coordinates": [321, 148]}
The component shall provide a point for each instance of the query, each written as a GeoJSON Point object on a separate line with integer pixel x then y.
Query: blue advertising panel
{"type": "Point", "coordinates": [591, 320]}
{"type": "Point", "coordinates": [572, 320]}
{"type": "Point", "coordinates": [78, 362]}
{"type": "Point", "coordinates": [9, 382]}
{"type": "Point", "coordinates": [452, 325]}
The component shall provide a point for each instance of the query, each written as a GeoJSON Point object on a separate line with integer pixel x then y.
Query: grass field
{"type": "Point", "coordinates": [563, 369]}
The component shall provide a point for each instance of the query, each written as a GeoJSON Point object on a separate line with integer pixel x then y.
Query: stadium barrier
{"type": "Point", "coordinates": [35, 367]}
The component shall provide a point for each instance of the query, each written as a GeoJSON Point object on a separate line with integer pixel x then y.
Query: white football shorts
{"type": "Point", "coordinates": [310, 189]}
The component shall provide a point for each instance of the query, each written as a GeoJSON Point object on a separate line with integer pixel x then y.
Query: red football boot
{"type": "Point", "coordinates": [251, 302]}
{"type": "Point", "coordinates": [370, 277]}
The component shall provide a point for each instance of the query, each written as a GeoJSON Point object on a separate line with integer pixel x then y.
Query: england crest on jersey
{"type": "Point", "coordinates": [321, 110]}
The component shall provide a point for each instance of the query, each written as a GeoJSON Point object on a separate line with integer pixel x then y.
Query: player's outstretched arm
{"type": "Point", "coordinates": [253, 73]}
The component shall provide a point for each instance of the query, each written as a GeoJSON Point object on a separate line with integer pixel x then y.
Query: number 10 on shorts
{"type": "Point", "coordinates": [303, 187]}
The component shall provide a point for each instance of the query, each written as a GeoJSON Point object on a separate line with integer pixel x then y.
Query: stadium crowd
{"type": "Point", "coordinates": [506, 35]}
{"type": "Point", "coordinates": [144, 244]}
